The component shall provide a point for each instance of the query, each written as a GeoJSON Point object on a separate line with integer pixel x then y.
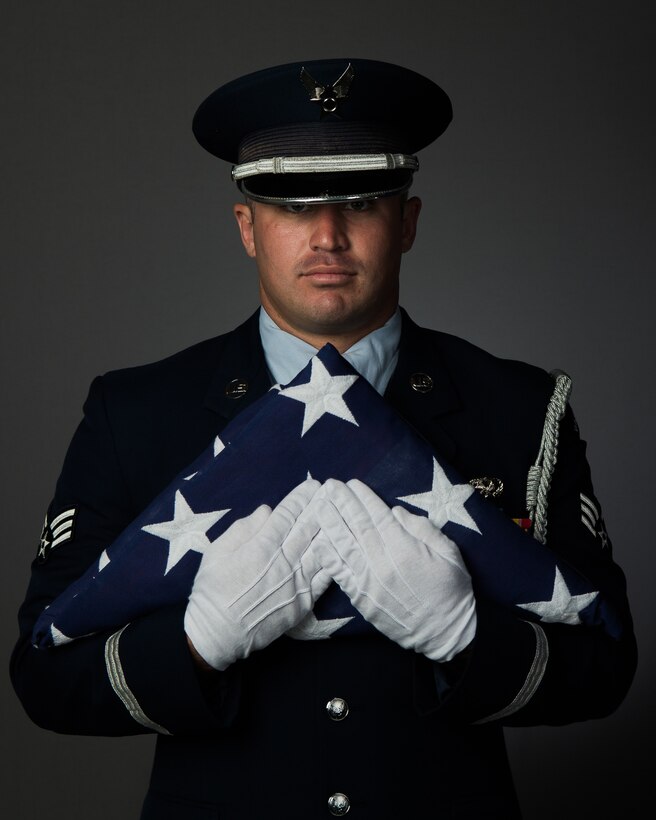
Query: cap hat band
{"type": "Point", "coordinates": [323, 164]}
{"type": "Point", "coordinates": [324, 137]}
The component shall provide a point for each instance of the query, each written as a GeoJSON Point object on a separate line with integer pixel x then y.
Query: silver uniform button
{"type": "Point", "coordinates": [421, 382]}
{"type": "Point", "coordinates": [337, 709]}
{"type": "Point", "coordinates": [338, 804]}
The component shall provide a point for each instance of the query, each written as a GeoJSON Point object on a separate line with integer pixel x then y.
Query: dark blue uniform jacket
{"type": "Point", "coordinates": [256, 741]}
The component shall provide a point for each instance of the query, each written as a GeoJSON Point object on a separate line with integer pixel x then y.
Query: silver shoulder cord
{"type": "Point", "coordinates": [541, 473]}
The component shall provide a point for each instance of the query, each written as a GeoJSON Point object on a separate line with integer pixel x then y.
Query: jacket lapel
{"type": "Point", "coordinates": [421, 388]}
{"type": "Point", "coordinates": [241, 376]}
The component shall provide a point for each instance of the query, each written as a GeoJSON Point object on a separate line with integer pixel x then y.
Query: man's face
{"type": "Point", "coordinates": [329, 271]}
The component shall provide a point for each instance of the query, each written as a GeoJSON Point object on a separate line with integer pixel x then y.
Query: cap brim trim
{"type": "Point", "coordinates": [332, 163]}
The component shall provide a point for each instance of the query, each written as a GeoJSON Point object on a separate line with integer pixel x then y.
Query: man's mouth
{"type": "Point", "coordinates": [328, 275]}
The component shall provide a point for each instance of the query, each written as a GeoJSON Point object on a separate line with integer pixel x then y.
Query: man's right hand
{"type": "Point", "coordinates": [257, 580]}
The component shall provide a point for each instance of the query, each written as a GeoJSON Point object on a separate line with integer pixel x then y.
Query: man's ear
{"type": "Point", "coordinates": [244, 216]}
{"type": "Point", "coordinates": [411, 209]}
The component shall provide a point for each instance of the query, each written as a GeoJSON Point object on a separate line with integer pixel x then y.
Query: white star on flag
{"type": "Point", "coordinates": [322, 394]}
{"type": "Point", "coordinates": [58, 637]}
{"type": "Point", "coordinates": [563, 606]}
{"type": "Point", "coordinates": [312, 629]}
{"type": "Point", "coordinates": [186, 531]}
{"type": "Point", "coordinates": [444, 501]}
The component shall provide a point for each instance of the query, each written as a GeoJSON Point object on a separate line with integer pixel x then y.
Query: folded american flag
{"type": "Point", "coordinates": [330, 423]}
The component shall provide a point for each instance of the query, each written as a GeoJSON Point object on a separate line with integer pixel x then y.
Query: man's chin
{"type": "Point", "coordinates": [345, 322]}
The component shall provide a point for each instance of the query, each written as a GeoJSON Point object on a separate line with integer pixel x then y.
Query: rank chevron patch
{"type": "Point", "coordinates": [591, 518]}
{"type": "Point", "coordinates": [55, 532]}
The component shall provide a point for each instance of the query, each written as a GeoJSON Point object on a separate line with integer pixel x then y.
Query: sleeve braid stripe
{"type": "Point", "coordinates": [120, 686]}
{"type": "Point", "coordinates": [533, 679]}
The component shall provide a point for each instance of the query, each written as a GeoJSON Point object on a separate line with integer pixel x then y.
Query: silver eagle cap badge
{"type": "Point", "coordinates": [328, 96]}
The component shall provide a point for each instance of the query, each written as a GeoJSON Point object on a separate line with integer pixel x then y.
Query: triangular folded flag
{"type": "Point", "coordinates": [330, 423]}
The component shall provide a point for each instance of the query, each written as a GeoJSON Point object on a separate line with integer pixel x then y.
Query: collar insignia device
{"type": "Point", "coordinates": [488, 487]}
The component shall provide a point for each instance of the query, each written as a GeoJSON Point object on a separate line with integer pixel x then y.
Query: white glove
{"type": "Point", "coordinates": [400, 571]}
{"type": "Point", "coordinates": [256, 581]}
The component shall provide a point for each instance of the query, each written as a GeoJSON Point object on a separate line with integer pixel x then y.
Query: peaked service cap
{"type": "Point", "coordinates": [328, 130]}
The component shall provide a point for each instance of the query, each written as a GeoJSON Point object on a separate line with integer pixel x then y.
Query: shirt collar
{"type": "Point", "coordinates": [374, 356]}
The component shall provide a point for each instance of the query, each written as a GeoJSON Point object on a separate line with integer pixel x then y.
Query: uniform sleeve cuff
{"type": "Point", "coordinates": [497, 675]}
{"type": "Point", "coordinates": [152, 672]}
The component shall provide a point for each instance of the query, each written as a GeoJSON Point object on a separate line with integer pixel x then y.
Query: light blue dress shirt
{"type": "Point", "coordinates": [374, 356]}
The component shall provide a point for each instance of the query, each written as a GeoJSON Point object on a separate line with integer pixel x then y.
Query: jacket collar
{"type": "Point", "coordinates": [421, 387]}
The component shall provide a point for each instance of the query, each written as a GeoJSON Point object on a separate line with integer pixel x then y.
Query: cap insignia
{"type": "Point", "coordinates": [328, 96]}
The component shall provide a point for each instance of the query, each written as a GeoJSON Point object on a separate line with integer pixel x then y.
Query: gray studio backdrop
{"type": "Point", "coordinates": [536, 242]}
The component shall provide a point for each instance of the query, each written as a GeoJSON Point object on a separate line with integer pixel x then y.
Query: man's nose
{"type": "Point", "coordinates": [328, 229]}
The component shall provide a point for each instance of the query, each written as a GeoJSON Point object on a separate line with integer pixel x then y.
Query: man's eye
{"type": "Point", "coordinates": [297, 207]}
{"type": "Point", "coordinates": [358, 205]}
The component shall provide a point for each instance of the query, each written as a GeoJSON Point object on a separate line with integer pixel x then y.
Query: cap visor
{"type": "Point", "coordinates": [345, 186]}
